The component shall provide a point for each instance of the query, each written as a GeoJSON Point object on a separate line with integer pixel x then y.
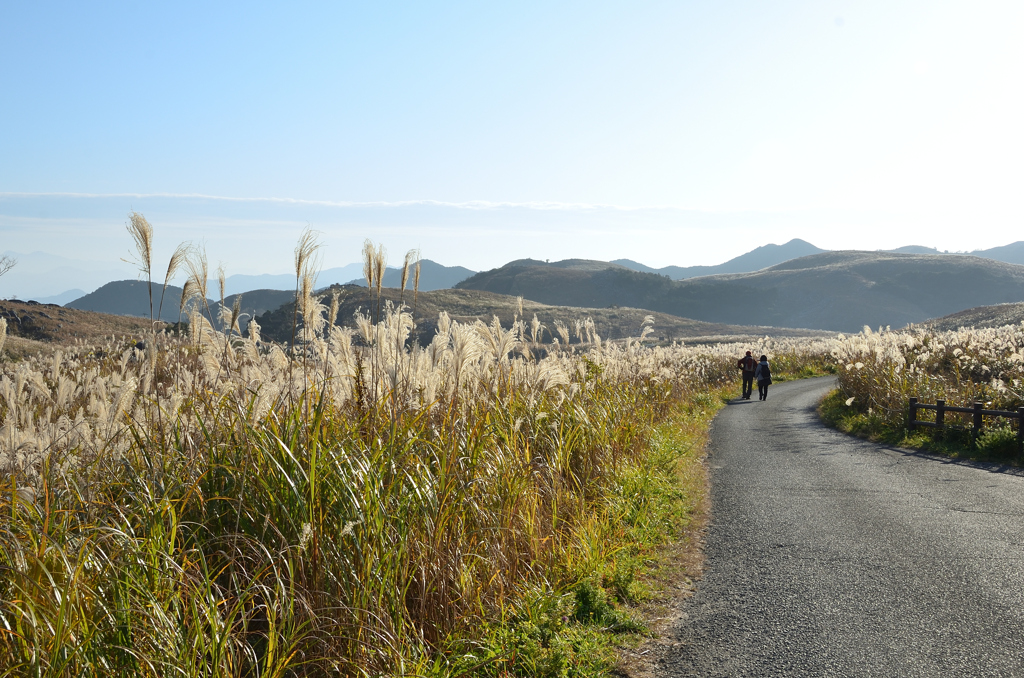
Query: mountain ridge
{"type": "Point", "coordinates": [834, 290]}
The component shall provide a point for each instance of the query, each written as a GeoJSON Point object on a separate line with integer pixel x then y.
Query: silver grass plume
{"type": "Point", "coordinates": [142, 233]}
{"type": "Point", "coordinates": [186, 295]}
{"type": "Point", "coordinates": [228, 316]}
{"type": "Point", "coordinates": [406, 263]}
{"type": "Point", "coordinates": [177, 258]}
{"type": "Point", "coordinates": [304, 266]}
{"type": "Point", "coordinates": [563, 331]}
{"type": "Point", "coordinates": [647, 327]}
{"type": "Point", "coordinates": [332, 313]}
{"type": "Point", "coordinates": [198, 270]}
{"type": "Point", "coordinates": [380, 264]}
{"type": "Point", "coordinates": [221, 282]}
{"type": "Point", "coordinates": [536, 330]}
{"type": "Point", "coordinates": [253, 330]}
{"type": "Point", "coordinates": [368, 252]}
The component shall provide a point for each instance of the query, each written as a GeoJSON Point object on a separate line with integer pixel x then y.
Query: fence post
{"type": "Point", "coordinates": [940, 415]}
{"type": "Point", "coordinates": [977, 419]}
{"type": "Point", "coordinates": [912, 422]}
{"type": "Point", "coordinates": [1020, 430]}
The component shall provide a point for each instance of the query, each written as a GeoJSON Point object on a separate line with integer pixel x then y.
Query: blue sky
{"type": "Point", "coordinates": [667, 132]}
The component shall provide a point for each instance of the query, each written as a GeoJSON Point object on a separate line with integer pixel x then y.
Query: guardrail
{"type": "Point", "coordinates": [977, 410]}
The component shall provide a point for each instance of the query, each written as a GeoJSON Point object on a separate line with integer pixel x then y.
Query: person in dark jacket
{"type": "Point", "coordinates": [763, 374]}
{"type": "Point", "coordinates": [748, 365]}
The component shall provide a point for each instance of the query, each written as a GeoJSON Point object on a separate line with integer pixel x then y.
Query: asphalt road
{"type": "Point", "coordinates": [832, 556]}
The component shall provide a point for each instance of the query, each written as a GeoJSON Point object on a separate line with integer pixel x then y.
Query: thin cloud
{"type": "Point", "coordinates": [467, 205]}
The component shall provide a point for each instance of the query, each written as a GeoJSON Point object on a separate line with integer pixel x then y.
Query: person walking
{"type": "Point", "coordinates": [763, 374]}
{"type": "Point", "coordinates": [748, 365]}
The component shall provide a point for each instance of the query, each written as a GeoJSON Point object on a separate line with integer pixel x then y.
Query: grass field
{"type": "Point", "coordinates": [355, 504]}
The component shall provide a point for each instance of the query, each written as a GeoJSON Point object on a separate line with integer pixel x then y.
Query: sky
{"type": "Point", "coordinates": [665, 132]}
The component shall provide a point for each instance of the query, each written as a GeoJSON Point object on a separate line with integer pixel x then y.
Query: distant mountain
{"type": "Point", "coordinates": [840, 291]}
{"type": "Point", "coordinates": [62, 298]}
{"type": "Point", "coordinates": [433, 276]}
{"type": "Point", "coordinates": [129, 297]}
{"type": "Point", "coordinates": [755, 260]}
{"type": "Point", "coordinates": [39, 275]}
{"type": "Point", "coordinates": [235, 284]}
{"type": "Point", "coordinates": [1011, 254]}
{"type": "Point", "coordinates": [914, 249]}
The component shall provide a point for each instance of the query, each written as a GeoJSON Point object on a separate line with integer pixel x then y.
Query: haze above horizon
{"type": "Point", "coordinates": [667, 133]}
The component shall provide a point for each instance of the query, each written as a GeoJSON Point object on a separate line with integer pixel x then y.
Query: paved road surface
{"type": "Point", "coordinates": [831, 556]}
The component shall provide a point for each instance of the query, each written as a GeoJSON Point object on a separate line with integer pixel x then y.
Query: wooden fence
{"type": "Point", "coordinates": [977, 410]}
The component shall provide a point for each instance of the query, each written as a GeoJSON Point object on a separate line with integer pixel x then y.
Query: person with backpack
{"type": "Point", "coordinates": [763, 374]}
{"type": "Point", "coordinates": [748, 365]}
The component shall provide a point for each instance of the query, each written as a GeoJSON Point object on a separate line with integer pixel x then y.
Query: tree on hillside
{"type": "Point", "coordinates": [7, 262]}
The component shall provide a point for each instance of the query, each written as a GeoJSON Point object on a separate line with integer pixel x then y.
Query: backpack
{"type": "Point", "coordinates": [766, 373]}
{"type": "Point", "coordinates": [747, 364]}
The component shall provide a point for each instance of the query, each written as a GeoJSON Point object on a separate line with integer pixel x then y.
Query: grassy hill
{"type": "Point", "coordinates": [996, 315]}
{"type": "Point", "coordinates": [33, 327]}
{"type": "Point", "coordinates": [839, 291]}
{"type": "Point", "coordinates": [471, 305]}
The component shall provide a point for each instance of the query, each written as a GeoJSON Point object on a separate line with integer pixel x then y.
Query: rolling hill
{"type": "Point", "coordinates": [471, 305]}
{"type": "Point", "coordinates": [840, 291]}
{"type": "Point", "coordinates": [31, 326]}
{"type": "Point", "coordinates": [980, 317]}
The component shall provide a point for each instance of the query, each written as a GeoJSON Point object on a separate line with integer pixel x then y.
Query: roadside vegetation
{"type": "Point", "coordinates": [350, 503]}
{"type": "Point", "coordinates": [880, 371]}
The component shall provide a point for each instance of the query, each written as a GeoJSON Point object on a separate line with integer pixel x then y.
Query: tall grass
{"type": "Point", "coordinates": [214, 506]}
{"type": "Point", "coordinates": [880, 371]}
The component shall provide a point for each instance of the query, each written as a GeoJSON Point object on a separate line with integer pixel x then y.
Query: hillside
{"type": "Point", "coordinates": [129, 297]}
{"type": "Point", "coordinates": [997, 315]}
{"type": "Point", "coordinates": [839, 291]}
{"type": "Point", "coordinates": [471, 305]}
{"type": "Point", "coordinates": [1011, 254]}
{"type": "Point", "coordinates": [35, 322]}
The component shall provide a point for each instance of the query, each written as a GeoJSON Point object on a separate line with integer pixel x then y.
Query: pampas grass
{"type": "Point", "coordinates": [142, 234]}
{"type": "Point", "coordinates": [208, 509]}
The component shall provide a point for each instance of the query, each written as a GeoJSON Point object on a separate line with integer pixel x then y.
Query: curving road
{"type": "Point", "coordinates": [832, 556]}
